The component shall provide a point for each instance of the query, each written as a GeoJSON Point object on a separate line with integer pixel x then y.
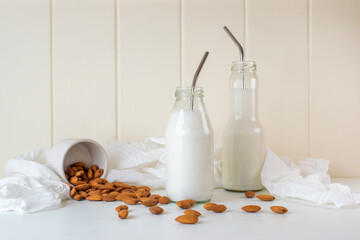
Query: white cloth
{"type": "Point", "coordinates": [31, 186]}
{"type": "Point", "coordinates": [307, 179]}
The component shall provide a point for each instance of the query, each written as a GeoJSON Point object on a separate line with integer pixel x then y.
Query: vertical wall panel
{"type": "Point", "coordinates": [25, 116]}
{"type": "Point", "coordinates": [277, 41]}
{"type": "Point", "coordinates": [335, 85]}
{"type": "Point", "coordinates": [203, 31]}
{"type": "Point", "coordinates": [84, 69]}
{"type": "Point", "coordinates": [148, 47]}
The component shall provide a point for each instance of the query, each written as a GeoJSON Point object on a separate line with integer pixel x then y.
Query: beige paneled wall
{"type": "Point", "coordinates": [107, 70]}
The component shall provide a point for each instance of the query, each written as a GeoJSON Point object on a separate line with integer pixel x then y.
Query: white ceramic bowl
{"type": "Point", "coordinates": [69, 151]}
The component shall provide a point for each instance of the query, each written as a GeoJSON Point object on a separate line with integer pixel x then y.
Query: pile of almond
{"type": "Point", "coordinates": [262, 197]}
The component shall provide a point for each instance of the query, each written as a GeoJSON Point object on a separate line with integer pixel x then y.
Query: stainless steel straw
{"type": "Point", "coordinates": [195, 79]}
{"type": "Point", "coordinates": [241, 54]}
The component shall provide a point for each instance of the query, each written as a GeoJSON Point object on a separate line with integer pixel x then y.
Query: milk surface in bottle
{"type": "Point", "coordinates": [243, 147]}
{"type": "Point", "coordinates": [189, 149]}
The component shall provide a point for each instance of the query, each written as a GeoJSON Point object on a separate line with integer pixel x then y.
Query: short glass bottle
{"type": "Point", "coordinates": [243, 146]}
{"type": "Point", "coordinates": [189, 148]}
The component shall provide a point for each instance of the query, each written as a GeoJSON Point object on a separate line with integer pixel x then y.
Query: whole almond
{"type": "Point", "coordinates": [164, 200]}
{"type": "Point", "coordinates": [120, 184]}
{"type": "Point", "coordinates": [265, 197]}
{"type": "Point", "coordinates": [185, 204]}
{"type": "Point", "coordinates": [73, 180]}
{"type": "Point", "coordinates": [83, 187]}
{"type": "Point", "coordinates": [78, 164]}
{"type": "Point", "coordinates": [78, 182]}
{"type": "Point", "coordinates": [140, 194]}
{"type": "Point", "coordinates": [69, 172]}
{"type": "Point", "coordinates": [78, 197]}
{"type": "Point", "coordinates": [90, 174]}
{"type": "Point", "coordinates": [209, 206]}
{"type": "Point", "coordinates": [94, 168]}
{"type": "Point", "coordinates": [250, 194]}
{"type": "Point", "coordinates": [130, 201]}
{"type": "Point", "coordinates": [94, 192]}
{"type": "Point", "coordinates": [121, 207]}
{"type": "Point", "coordinates": [143, 199]}
{"type": "Point", "coordinates": [72, 192]}
{"type": "Point", "coordinates": [279, 209]}
{"type": "Point", "coordinates": [219, 208]}
{"type": "Point", "coordinates": [105, 191]}
{"type": "Point", "coordinates": [150, 202]}
{"type": "Point", "coordinates": [83, 194]}
{"type": "Point", "coordinates": [146, 188]}
{"type": "Point", "coordinates": [98, 173]}
{"type": "Point", "coordinates": [187, 219]}
{"type": "Point", "coordinates": [79, 173]}
{"type": "Point", "coordinates": [94, 198]}
{"type": "Point", "coordinates": [251, 208]}
{"type": "Point", "coordinates": [156, 210]}
{"type": "Point", "coordinates": [108, 197]}
{"type": "Point", "coordinates": [155, 196]}
{"type": "Point", "coordinates": [74, 169]}
{"type": "Point", "coordinates": [123, 214]}
{"type": "Point", "coordinates": [192, 212]}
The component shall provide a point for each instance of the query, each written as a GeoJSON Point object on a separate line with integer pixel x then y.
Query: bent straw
{"type": "Point", "coordinates": [196, 77]}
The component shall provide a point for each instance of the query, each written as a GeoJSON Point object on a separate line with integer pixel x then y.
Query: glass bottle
{"type": "Point", "coordinates": [189, 148]}
{"type": "Point", "coordinates": [243, 147]}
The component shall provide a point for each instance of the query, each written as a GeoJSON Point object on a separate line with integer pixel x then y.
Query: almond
{"type": "Point", "coordinates": [121, 207]}
{"type": "Point", "coordinates": [140, 194]}
{"type": "Point", "coordinates": [94, 198]}
{"type": "Point", "coordinates": [156, 210]}
{"type": "Point", "coordinates": [146, 188]}
{"type": "Point", "coordinates": [72, 192]}
{"type": "Point", "coordinates": [95, 192]}
{"type": "Point", "coordinates": [108, 197]}
{"type": "Point", "coordinates": [69, 172]}
{"type": "Point", "coordinates": [78, 164]}
{"type": "Point", "coordinates": [130, 201]}
{"type": "Point", "coordinates": [265, 197]}
{"type": "Point", "coordinates": [90, 174]}
{"type": "Point", "coordinates": [143, 199]}
{"type": "Point", "coordinates": [150, 202]}
{"type": "Point", "coordinates": [219, 208]}
{"type": "Point", "coordinates": [155, 196]}
{"type": "Point", "coordinates": [78, 197]}
{"type": "Point", "coordinates": [164, 200]}
{"type": "Point", "coordinates": [79, 182]}
{"type": "Point", "coordinates": [74, 169]}
{"type": "Point", "coordinates": [123, 214]}
{"type": "Point", "coordinates": [73, 180]}
{"type": "Point", "coordinates": [79, 173]}
{"type": "Point", "coordinates": [250, 194]}
{"type": "Point", "coordinates": [120, 184]}
{"type": "Point", "coordinates": [105, 191]}
{"type": "Point", "coordinates": [70, 186]}
{"type": "Point", "coordinates": [94, 168]}
{"type": "Point", "coordinates": [185, 204]}
{"type": "Point", "coordinates": [209, 206]}
{"type": "Point", "coordinates": [192, 212]}
{"type": "Point", "coordinates": [98, 173]}
{"type": "Point", "coordinates": [83, 194]}
{"type": "Point", "coordinates": [187, 219]}
{"type": "Point", "coordinates": [83, 187]}
{"type": "Point", "coordinates": [251, 208]}
{"type": "Point", "coordinates": [279, 209]}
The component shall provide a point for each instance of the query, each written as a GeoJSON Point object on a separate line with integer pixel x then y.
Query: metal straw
{"type": "Point", "coordinates": [241, 54]}
{"type": "Point", "coordinates": [195, 79]}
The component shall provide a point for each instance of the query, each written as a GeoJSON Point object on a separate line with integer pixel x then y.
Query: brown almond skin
{"type": "Point", "coordinates": [192, 212]}
{"type": "Point", "coordinates": [108, 197]}
{"type": "Point", "coordinates": [156, 210]}
{"type": "Point", "coordinates": [146, 188]}
{"type": "Point", "coordinates": [164, 200]}
{"type": "Point", "coordinates": [94, 198]}
{"type": "Point", "coordinates": [90, 174]}
{"type": "Point", "coordinates": [150, 202]}
{"type": "Point", "coordinates": [83, 194]}
{"type": "Point", "coordinates": [78, 197]}
{"type": "Point", "coordinates": [78, 164]}
{"type": "Point", "coordinates": [79, 173]}
{"type": "Point", "coordinates": [251, 208]}
{"type": "Point", "coordinates": [121, 207]}
{"type": "Point", "coordinates": [94, 192]}
{"type": "Point", "coordinates": [83, 187]}
{"type": "Point", "coordinates": [265, 197]}
{"type": "Point", "coordinates": [155, 196]}
{"type": "Point", "coordinates": [123, 214]}
{"type": "Point", "coordinates": [219, 208]}
{"type": "Point", "coordinates": [185, 204]}
{"type": "Point", "coordinates": [250, 194]}
{"type": "Point", "coordinates": [98, 173]}
{"type": "Point", "coordinates": [187, 219]}
{"type": "Point", "coordinates": [72, 192]}
{"type": "Point", "coordinates": [94, 168]}
{"type": "Point", "coordinates": [69, 172]}
{"type": "Point", "coordinates": [209, 206]}
{"type": "Point", "coordinates": [130, 201]}
{"type": "Point", "coordinates": [73, 180]}
{"type": "Point", "coordinates": [279, 209]}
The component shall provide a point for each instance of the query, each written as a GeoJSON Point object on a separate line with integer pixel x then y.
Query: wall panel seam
{"type": "Point", "coordinates": [309, 40]}
{"type": "Point", "coordinates": [116, 53]}
{"type": "Point", "coordinates": [51, 75]}
{"type": "Point", "coordinates": [182, 42]}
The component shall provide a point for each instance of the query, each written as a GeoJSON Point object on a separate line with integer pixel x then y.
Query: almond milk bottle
{"type": "Point", "coordinates": [243, 147]}
{"type": "Point", "coordinates": [189, 148]}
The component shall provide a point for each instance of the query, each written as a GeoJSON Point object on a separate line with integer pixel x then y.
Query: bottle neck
{"type": "Point", "coordinates": [243, 104]}
{"type": "Point", "coordinates": [189, 99]}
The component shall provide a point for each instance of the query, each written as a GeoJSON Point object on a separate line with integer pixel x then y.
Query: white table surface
{"type": "Point", "coordinates": [87, 220]}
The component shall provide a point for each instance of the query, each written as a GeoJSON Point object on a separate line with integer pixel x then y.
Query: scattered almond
{"type": "Point", "coordinates": [123, 214]}
{"type": "Point", "coordinates": [209, 206]}
{"type": "Point", "coordinates": [94, 168]}
{"type": "Point", "coordinates": [156, 210]}
{"type": "Point", "coordinates": [94, 198]}
{"type": "Point", "coordinates": [192, 212]}
{"type": "Point", "coordinates": [78, 164]}
{"type": "Point", "coordinates": [150, 202]}
{"type": "Point", "coordinates": [72, 192]}
{"type": "Point", "coordinates": [185, 204]}
{"type": "Point", "coordinates": [164, 200]}
{"type": "Point", "coordinates": [130, 201]}
{"type": "Point", "coordinates": [121, 207]}
{"type": "Point", "coordinates": [83, 187]}
{"type": "Point", "coordinates": [83, 194]}
{"type": "Point", "coordinates": [155, 196]}
{"type": "Point", "coordinates": [108, 197]}
{"type": "Point", "coordinates": [187, 219]}
{"type": "Point", "coordinates": [219, 208]}
{"type": "Point", "coordinates": [265, 197]}
{"type": "Point", "coordinates": [279, 209]}
{"type": "Point", "coordinates": [98, 173]}
{"type": "Point", "coordinates": [250, 194]}
{"type": "Point", "coordinates": [78, 197]}
{"type": "Point", "coordinates": [251, 208]}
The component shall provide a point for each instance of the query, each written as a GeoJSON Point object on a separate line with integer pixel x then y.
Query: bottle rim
{"type": "Point", "coordinates": [244, 63]}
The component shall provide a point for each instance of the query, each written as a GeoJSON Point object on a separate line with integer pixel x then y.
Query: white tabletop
{"type": "Point", "coordinates": [98, 220]}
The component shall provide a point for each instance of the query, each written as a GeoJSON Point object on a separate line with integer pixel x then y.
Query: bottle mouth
{"type": "Point", "coordinates": [188, 90]}
{"type": "Point", "coordinates": [239, 66]}
{"type": "Point", "coordinates": [244, 63]}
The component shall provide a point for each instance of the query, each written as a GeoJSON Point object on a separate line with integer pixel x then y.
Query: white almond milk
{"type": "Point", "coordinates": [190, 156]}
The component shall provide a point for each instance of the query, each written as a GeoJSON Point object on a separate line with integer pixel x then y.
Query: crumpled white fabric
{"type": "Point", "coordinates": [306, 179]}
{"type": "Point", "coordinates": [30, 186]}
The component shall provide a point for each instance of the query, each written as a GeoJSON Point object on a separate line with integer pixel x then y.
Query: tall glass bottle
{"type": "Point", "coordinates": [243, 147]}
